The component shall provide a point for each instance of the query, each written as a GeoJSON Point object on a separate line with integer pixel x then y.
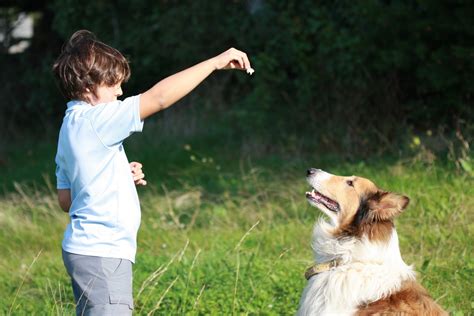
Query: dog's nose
{"type": "Point", "coordinates": [311, 171]}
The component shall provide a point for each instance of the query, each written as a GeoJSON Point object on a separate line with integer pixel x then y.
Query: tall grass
{"type": "Point", "coordinates": [232, 236]}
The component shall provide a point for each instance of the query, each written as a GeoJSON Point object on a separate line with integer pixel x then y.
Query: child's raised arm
{"type": "Point", "coordinates": [171, 89]}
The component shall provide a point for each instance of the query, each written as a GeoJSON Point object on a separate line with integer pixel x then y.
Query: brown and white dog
{"type": "Point", "coordinates": [359, 269]}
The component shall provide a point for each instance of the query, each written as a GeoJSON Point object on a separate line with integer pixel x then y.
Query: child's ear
{"type": "Point", "coordinates": [386, 205]}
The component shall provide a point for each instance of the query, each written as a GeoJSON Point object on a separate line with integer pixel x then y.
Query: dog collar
{"type": "Point", "coordinates": [321, 267]}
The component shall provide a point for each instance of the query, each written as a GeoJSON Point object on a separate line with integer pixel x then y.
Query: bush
{"type": "Point", "coordinates": [356, 76]}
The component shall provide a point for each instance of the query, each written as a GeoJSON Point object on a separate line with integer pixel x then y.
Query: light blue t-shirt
{"type": "Point", "coordinates": [91, 162]}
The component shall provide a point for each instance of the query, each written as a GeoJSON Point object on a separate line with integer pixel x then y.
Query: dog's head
{"type": "Point", "coordinates": [355, 205]}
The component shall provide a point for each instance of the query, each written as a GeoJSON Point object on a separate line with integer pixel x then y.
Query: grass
{"type": "Point", "coordinates": [223, 234]}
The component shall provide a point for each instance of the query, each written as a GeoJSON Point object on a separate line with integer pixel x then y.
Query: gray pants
{"type": "Point", "coordinates": [101, 286]}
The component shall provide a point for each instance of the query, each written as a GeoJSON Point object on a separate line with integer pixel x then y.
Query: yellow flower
{"type": "Point", "coordinates": [416, 141]}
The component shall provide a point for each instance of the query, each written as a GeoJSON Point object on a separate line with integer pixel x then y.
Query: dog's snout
{"type": "Point", "coordinates": [311, 171]}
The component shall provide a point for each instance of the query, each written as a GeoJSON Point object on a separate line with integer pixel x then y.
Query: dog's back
{"type": "Point", "coordinates": [411, 299]}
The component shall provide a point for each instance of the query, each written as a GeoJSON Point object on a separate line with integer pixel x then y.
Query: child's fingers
{"type": "Point", "coordinates": [234, 64]}
{"type": "Point", "coordinates": [138, 176]}
{"type": "Point", "coordinates": [233, 59]}
{"type": "Point", "coordinates": [239, 59]}
{"type": "Point", "coordinates": [246, 61]}
{"type": "Point", "coordinates": [140, 182]}
{"type": "Point", "coordinates": [134, 166]}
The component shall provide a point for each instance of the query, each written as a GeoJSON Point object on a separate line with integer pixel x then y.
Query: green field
{"type": "Point", "coordinates": [224, 234]}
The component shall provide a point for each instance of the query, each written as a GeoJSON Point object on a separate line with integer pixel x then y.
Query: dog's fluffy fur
{"type": "Point", "coordinates": [372, 278]}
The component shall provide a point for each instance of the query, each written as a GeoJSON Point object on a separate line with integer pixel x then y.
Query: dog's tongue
{"type": "Point", "coordinates": [323, 199]}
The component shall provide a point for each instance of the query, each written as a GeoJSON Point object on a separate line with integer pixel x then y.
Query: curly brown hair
{"type": "Point", "coordinates": [86, 63]}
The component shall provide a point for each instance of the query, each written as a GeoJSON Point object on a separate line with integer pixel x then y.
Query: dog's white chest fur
{"type": "Point", "coordinates": [369, 271]}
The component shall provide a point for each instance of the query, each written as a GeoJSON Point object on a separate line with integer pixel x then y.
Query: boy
{"type": "Point", "coordinates": [94, 181]}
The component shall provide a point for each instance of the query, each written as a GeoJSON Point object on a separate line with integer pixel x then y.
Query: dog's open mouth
{"type": "Point", "coordinates": [318, 198]}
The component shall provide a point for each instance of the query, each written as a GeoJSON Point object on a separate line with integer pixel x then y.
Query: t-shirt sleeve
{"type": "Point", "coordinates": [62, 181]}
{"type": "Point", "coordinates": [115, 121]}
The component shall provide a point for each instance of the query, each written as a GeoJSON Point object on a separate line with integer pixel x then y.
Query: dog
{"type": "Point", "coordinates": [359, 269]}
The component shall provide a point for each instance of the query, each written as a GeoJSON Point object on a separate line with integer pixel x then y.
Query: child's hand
{"type": "Point", "coordinates": [137, 173]}
{"type": "Point", "coordinates": [233, 59]}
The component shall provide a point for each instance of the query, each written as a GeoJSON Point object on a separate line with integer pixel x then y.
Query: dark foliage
{"type": "Point", "coordinates": [352, 74]}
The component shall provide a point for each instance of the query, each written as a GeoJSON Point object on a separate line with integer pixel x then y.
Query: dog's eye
{"type": "Point", "coordinates": [350, 183]}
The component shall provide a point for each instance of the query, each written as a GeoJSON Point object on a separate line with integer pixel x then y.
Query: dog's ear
{"type": "Point", "coordinates": [386, 205]}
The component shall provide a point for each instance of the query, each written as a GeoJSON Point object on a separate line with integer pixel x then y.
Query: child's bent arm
{"type": "Point", "coordinates": [64, 198]}
{"type": "Point", "coordinates": [171, 89]}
